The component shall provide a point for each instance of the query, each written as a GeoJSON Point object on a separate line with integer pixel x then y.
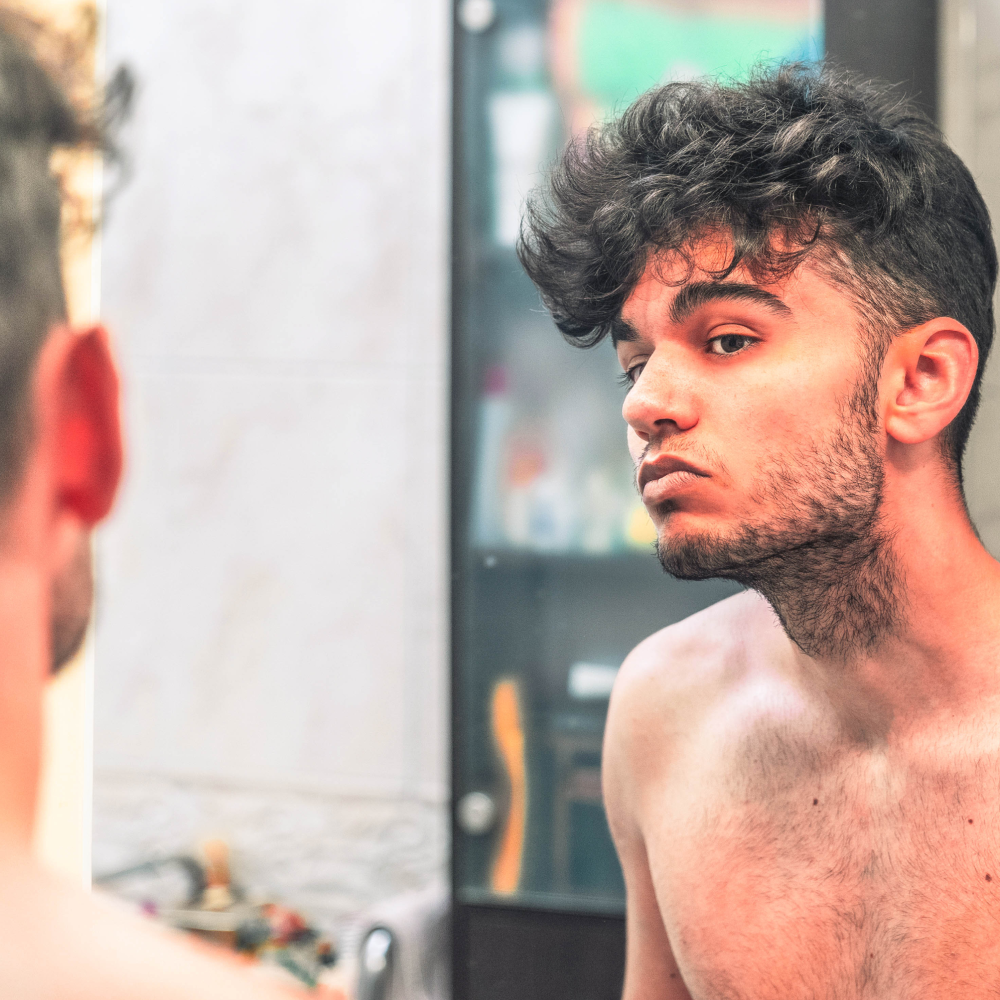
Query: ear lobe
{"type": "Point", "coordinates": [930, 371]}
{"type": "Point", "coordinates": [89, 453]}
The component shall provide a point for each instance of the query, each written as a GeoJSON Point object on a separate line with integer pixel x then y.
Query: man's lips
{"type": "Point", "coordinates": [665, 475]}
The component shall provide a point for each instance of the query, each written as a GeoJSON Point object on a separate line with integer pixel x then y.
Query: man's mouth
{"type": "Point", "coordinates": [662, 477]}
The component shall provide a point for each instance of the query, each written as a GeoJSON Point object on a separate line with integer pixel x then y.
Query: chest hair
{"type": "Point", "coordinates": [838, 872]}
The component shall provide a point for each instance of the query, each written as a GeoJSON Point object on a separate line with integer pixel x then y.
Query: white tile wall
{"type": "Point", "coordinates": [271, 641]}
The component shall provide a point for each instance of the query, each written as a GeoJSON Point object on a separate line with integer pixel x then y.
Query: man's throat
{"type": "Point", "coordinates": [835, 601]}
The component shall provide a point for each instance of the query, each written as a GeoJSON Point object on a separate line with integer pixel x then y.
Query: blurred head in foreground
{"type": "Point", "coordinates": [60, 443]}
{"type": "Point", "coordinates": [797, 273]}
{"type": "Point", "coordinates": [60, 465]}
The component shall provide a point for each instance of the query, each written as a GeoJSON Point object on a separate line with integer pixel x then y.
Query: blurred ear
{"type": "Point", "coordinates": [928, 374]}
{"type": "Point", "coordinates": [87, 438]}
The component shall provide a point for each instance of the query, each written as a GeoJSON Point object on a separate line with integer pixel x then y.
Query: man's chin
{"type": "Point", "coordinates": [704, 556]}
{"type": "Point", "coordinates": [682, 564]}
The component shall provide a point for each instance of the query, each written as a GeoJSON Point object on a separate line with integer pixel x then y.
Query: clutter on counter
{"type": "Point", "coordinates": [198, 895]}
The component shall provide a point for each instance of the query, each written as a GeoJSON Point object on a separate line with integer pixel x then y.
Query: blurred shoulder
{"type": "Point", "coordinates": [57, 941]}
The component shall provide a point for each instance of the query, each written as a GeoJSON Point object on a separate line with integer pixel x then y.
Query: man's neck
{"type": "Point", "coordinates": [917, 608]}
{"type": "Point", "coordinates": [840, 599]}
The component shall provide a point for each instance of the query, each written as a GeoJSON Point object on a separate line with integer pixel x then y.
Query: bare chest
{"type": "Point", "coordinates": [854, 880]}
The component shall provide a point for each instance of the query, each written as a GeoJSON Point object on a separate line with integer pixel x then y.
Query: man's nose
{"type": "Point", "coordinates": [660, 403]}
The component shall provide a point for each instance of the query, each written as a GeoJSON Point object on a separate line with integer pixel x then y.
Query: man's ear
{"type": "Point", "coordinates": [928, 374]}
{"type": "Point", "coordinates": [87, 453]}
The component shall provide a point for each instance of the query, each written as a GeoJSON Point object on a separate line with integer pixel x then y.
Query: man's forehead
{"type": "Point", "coordinates": [697, 263]}
{"type": "Point", "coordinates": [676, 288]}
{"type": "Point", "coordinates": [697, 260]}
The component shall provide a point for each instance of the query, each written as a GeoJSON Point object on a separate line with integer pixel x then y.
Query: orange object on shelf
{"type": "Point", "coordinates": [508, 732]}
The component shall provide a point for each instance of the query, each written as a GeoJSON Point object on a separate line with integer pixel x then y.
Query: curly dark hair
{"type": "Point", "coordinates": [795, 162]}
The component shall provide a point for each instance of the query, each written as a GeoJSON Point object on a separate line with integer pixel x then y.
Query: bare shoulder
{"type": "Point", "coordinates": [704, 653]}
{"type": "Point", "coordinates": [671, 680]}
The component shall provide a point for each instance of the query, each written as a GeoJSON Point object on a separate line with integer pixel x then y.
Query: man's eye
{"type": "Point", "coordinates": [729, 343]}
{"type": "Point", "coordinates": [630, 376]}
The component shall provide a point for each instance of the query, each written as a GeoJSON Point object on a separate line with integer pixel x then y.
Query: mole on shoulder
{"type": "Point", "coordinates": [815, 802]}
{"type": "Point", "coordinates": [970, 820]}
{"type": "Point", "coordinates": [989, 878]}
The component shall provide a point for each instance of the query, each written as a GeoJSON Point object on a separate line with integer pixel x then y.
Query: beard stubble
{"type": "Point", "coordinates": [72, 598]}
{"type": "Point", "coordinates": [814, 543]}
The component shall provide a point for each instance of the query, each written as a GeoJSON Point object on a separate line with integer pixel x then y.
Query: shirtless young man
{"type": "Point", "coordinates": [803, 781]}
{"type": "Point", "coordinates": [60, 463]}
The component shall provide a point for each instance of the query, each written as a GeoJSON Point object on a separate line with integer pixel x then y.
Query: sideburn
{"type": "Point", "coordinates": [72, 600]}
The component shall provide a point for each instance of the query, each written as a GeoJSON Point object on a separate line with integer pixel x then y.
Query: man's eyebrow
{"type": "Point", "coordinates": [695, 295]}
{"type": "Point", "coordinates": [622, 331]}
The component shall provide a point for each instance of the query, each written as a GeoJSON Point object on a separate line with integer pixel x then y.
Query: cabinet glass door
{"type": "Point", "coordinates": [554, 576]}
